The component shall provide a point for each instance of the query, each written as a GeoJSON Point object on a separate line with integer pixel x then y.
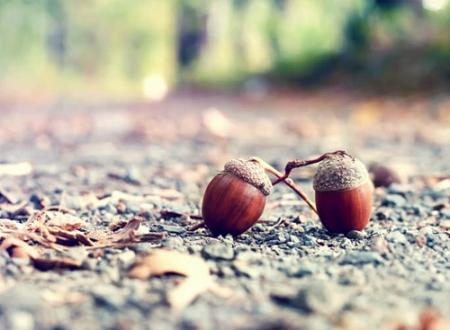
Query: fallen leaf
{"type": "Point", "coordinates": [127, 233]}
{"type": "Point", "coordinates": [160, 262]}
{"type": "Point", "coordinates": [17, 248]}
{"type": "Point", "coordinates": [42, 263]}
{"type": "Point", "coordinates": [68, 238]}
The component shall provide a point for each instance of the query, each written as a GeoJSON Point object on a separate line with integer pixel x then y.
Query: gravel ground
{"type": "Point", "coordinates": [287, 272]}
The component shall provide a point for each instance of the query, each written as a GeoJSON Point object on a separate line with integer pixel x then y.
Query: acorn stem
{"type": "Point", "coordinates": [288, 181]}
{"type": "Point", "coordinates": [296, 163]}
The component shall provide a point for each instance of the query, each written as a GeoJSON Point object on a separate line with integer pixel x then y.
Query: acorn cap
{"type": "Point", "coordinates": [250, 172]}
{"type": "Point", "coordinates": [339, 172]}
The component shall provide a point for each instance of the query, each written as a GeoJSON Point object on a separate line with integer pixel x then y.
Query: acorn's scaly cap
{"type": "Point", "coordinates": [339, 172]}
{"type": "Point", "coordinates": [250, 172]}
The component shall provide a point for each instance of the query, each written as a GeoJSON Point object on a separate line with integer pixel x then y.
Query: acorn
{"type": "Point", "coordinates": [343, 193]}
{"type": "Point", "coordinates": [343, 190]}
{"type": "Point", "coordinates": [383, 176]}
{"type": "Point", "coordinates": [235, 198]}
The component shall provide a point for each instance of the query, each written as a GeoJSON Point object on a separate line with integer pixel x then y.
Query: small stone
{"type": "Point", "coordinates": [445, 213]}
{"type": "Point", "coordinates": [173, 242]}
{"type": "Point", "coordinates": [399, 189]}
{"type": "Point", "coordinates": [396, 237]}
{"type": "Point", "coordinates": [361, 258]}
{"type": "Point", "coordinates": [126, 258]}
{"type": "Point", "coordinates": [309, 240]}
{"type": "Point", "coordinates": [305, 269]}
{"type": "Point", "coordinates": [20, 320]}
{"type": "Point", "coordinates": [394, 200]}
{"type": "Point", "coordinates": [356, 235]}
{"type": "Point", "coordinates": [352, 276]}
{"type": "Point", "coordinates": [173, 229]}
{"type": "Point", "coordinates": [108, 296]}
{"type": "Point", "coordinates": [281, 238]}
{"type": "Point", "coordinates": [381, 215]}
{"type": "Point", "coordinates": [294, 239]}
{"type": "Point", "coordinates": [218, 250]}
{"type": "Point", "coordinates": [22, 296]}
{"type": "Point", "coordinates": [445, 224]}
{"type": "Point", "coordinates": [321, 298]}
{"type": "Point", "coordinates": [244, 268]}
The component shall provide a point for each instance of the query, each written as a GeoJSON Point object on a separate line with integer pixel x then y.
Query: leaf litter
{"type": "Point", "coordinates": [161, 262]}
{"type": "Point", "coordinates": [59, 231]}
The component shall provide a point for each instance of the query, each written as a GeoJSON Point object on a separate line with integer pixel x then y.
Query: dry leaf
{"type": "Point", "coordinates": [161, 262]}
{"type": "Point", "coordinates": [17, 248]}
{"type": "Point", "coordinates": [67, 238]}
{"type": "Point", "coordinates": [127, 233]}
{"type": "Point", "coordinates": [47, 264]}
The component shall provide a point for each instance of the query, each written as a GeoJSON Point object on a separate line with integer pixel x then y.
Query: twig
{"type": "Point", "coordinates": [300, 163]}
{"type": "Point", "coordinates": [197, 226]}
{"type": "Point", "coordinates": [288, 181]}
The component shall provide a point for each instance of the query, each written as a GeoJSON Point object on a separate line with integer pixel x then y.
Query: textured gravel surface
{"type": "Point", "coordinates": [287, 272]}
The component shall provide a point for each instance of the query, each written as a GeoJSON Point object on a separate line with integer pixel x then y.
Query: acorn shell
{"type": "Point", "coordinates": [231, 205]}
{"type": "Point", "coordinates": [250, 172]}
{"type": "Point", "coordinates": [345, 210]}
{"type": "Point", "coordinates": [339, 172]}
{"type": "Point", "coordinates": [343, 194]}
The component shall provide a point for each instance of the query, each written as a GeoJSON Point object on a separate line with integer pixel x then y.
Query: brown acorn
{"type": "Point", "coordinates": [383, 176]}
{"type": "Point", "coordinates": [235, 198]}
{"type": "Point", "coordinates": [343, 193]}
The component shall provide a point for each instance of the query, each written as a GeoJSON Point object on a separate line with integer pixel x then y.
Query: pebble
{"type": "Point", "coordinates": [218, 250]}
{"type": "Point", "coordinates": [394, 200]}
{"type": "Point", "coordinates": [445, 213]}
{"type": "Point", "coordinates": [22, 296]}
{"type": "Point", "coordinates": [108, 296]}
{"type": "Point", "coordinates": [126, 258]}
{"type": "Point", "coordinates": [305, 269]}
{"type": "Point", "coordinates": [352, 277]}
{"type": "Point", "coordinates": [356, 235]}
{"type": "Point", "coordinates": [396, 237]}
{"type": "Point", "coordinates": [319, 298]}
{"type": "Point", "coordinates": [174, 242]}
{"type": "Point", "coordinates": [361, 258]}
{"type": "Point", "coordinates": [20, 320]}
{"type": "Point", "coordinates": [173, 229]}
{"type": "Point", "coordinates": [244, 268]}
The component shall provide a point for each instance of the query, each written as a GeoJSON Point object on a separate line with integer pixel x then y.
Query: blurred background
{"type": "Point", "coordinates": [149, 48]}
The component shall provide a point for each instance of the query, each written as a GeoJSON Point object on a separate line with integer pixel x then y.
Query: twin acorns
{"type": "Point", "coordinates": [235, 198]}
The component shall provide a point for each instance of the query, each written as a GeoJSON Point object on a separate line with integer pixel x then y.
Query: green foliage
{"type": "Point", "coordinates": [115, 44]}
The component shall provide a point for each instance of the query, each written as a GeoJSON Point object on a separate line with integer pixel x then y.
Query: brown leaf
{"type": "Point", "coordinates": [17, 248]}
{"type": "Point", "coordinates": [161, 262]}
{"type": "Point", "coordinates": [64, 263]}
{"type": "Point", "coordinates": [127, 233]}
{"type": "Point", "coordinates": [68, 238]}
